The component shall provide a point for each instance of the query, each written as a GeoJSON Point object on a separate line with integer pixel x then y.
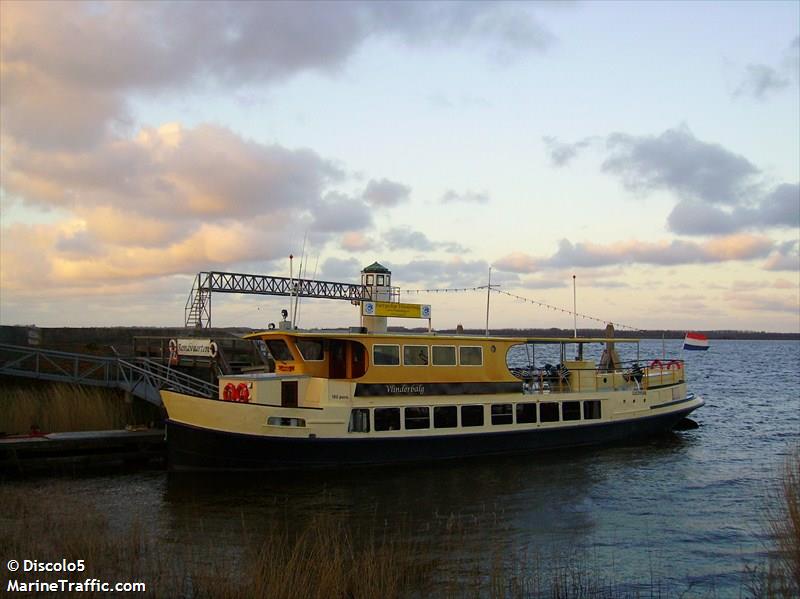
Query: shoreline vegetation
{"type": "Point", "coordinates": [31, 406]}
{"type": "Point", "coordinates": [329, 557]}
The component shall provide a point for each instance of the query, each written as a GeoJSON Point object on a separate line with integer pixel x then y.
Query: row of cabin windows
{"type": "Point", "coordinates": [419, 417]}
{"type": "Point", "coordinates": [387, 355]}
{"type": "Point", "coordinates": [422, 355]}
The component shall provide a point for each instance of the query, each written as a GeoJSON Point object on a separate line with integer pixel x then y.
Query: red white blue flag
{"type": "Point", "coordinates": [695, 341]}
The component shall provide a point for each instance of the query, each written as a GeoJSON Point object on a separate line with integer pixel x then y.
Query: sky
{"type": "Point", "coordinates": [650, 149]}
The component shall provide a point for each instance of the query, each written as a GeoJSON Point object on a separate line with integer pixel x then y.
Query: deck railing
{"type": "Point", "coordinates": [139, 376]}
{"type": "Point", "coordinates": [628, 376]}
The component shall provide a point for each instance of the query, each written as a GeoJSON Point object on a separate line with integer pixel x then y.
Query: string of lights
{"type": "Point", "coordinates": [617, 325]}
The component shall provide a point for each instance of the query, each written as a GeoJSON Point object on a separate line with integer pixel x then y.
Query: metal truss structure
{"type": "Point", "coordinates": [198, 305]}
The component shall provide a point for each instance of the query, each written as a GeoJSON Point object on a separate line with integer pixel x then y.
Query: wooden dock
{"type": "Point", "coordinates": [81, 449]}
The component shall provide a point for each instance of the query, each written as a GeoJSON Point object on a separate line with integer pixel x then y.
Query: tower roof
{"type": "Point", "coordinates": [376, 267]}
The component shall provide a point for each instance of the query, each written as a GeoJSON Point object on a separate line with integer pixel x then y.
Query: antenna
{"type": "Point", "coordinates": [574, 308]}
{"type": "Point", "coordinates": [300, 278]}
{"type": "Point", "coordinates": [488, 294]}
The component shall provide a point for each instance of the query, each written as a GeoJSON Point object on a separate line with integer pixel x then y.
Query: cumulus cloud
{"type": "Point", "coordinates": [761, 80]}
{"type": "Point", "coordinates": [341, 269]}
{"type": "Point", "coordinates": [719, 191]}
{"type": "Point", "coordinates": [778, 209]}
{"type": "Point", "coordinates": [355, 241]}
{"type": "Point", "coordinates": [663, 253]}
{"type": "Point", "coordinates": [386, 193]}
{"type": "Point", "coordinates": [468, 197]}
{"type": "Point", "coordinates": [59, 93]}
{"type": "Point", "coordinates": [679, 162]}
{"type": "Point", "coordinates": [455, 272]}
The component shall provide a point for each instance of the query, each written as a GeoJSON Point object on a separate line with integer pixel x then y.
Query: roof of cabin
{"type": "Point", "coordinates": [376, 267]}
{"type": "Point", "coordinates": [432, 336]}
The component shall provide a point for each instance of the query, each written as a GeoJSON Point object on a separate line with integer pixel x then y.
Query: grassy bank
{"type": "Point", "coordinates": [61, 407]}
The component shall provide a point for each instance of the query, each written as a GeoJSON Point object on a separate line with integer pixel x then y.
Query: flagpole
{"type": "Point", "coordinates": [574, 309]}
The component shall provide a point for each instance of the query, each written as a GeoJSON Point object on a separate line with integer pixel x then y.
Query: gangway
{"type": "Point", "coordinates": [140, 377]}
{"type": "Point", "coordinates": [198, 305]}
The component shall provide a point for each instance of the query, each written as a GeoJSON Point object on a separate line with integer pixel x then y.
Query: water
{"type": "Point", "coordinates": [683, 512]}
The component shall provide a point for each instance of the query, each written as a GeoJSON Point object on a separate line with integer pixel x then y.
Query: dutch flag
{"type": "Point", "coordinates": [695, 341]}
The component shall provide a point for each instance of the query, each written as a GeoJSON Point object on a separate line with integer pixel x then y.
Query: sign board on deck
{"type": "Point", "coordinates": [395, 310]}
{"type": "Point", "coordinates": [196, 347]}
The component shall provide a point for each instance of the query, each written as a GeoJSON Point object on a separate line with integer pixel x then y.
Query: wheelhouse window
{"type": "Point", "coordinates": [502, 413]}
{"type": "Point", "coordinates": [445, 417]}
{"type": "Point", "coordinates": [310, 349]}
{"type": "Point", "coordinates": [386, 355]}
{"type": "Point", "coordinates": [415, 355]}
{"type": "Point", "coordinates": [471, 415]}
{"type": "Point", "coordinates": [591, 409]}
{"type": "Point", "coordinates": [359, 421]}
{"type": "Point", "coordinates": [548, 411]}
{"type": "Point", "coordinates": [279, 350]}
{"type": "Point", "coordinates": [387, 419]}
{"type": "Point", "coordinates": [418, 418]}
{"type": "Point", "coordinates": [370, 279]}
{"type": "Point", "coordinates": [470, 356]}
{"type": "Point", "coordinates": [379, 279]}
{"type": "Point", "coordinates": [444, 355]}
{"type": "Point", "coordinates": [571, 410]}
{"type": "Point", "coordinates": [526, 413]}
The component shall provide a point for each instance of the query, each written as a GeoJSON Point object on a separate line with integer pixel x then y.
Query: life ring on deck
{"type": "Point", "coordinates": [243, 392]}
{"type": "Point", "coordinates": [674, 365]}
{"type": "Point", "coordinates": [656, 364]}
{"type": "Point", "coordinates": [230, 393]}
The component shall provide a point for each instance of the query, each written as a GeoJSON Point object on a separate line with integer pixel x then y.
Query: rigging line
{"type": "Point", "coordinates": [556, 308]}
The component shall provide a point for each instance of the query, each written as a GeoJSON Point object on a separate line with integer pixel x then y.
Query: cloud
{"type": "Point", "coordinates": [760, 80]}
{"type": "Point", "coordinates": [385, 193]}
{"type": "Point", "coordinates": [341, 269]}
{"type": "Point", "coordinates": [778, 209]}
{"type": "Point", "coordinates": [404, 238]}
{"type": "Point", "coordinates": [59, 93]}
{"type": "Point", "coordinates": [467, 197]}
{"type": "Point", "coordinates": [719, 191]}
{"type": "Point", "coordinates": [679, 162]}
{"type": "Point", "coordinates": [562, 153]}
{"type": "Point", "coordinates": [355, 241]}
{"type": "Point", "coordinates": [455, 272]}
{"type": "Point", "coordinates": [518, 262]}
{"type": "Point", "coordinates": [763, 303]}
{"type": "Point", "coordinates": [663, 253]}
{"type": "Point", "coordinates": [785, 257]}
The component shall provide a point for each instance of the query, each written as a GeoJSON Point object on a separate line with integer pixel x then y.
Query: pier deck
{"type": "Point", "coordinates": [87, 448]}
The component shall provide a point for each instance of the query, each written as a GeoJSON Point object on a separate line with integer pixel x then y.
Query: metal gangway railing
{"type": "Point", "coordinates": [141, 377]}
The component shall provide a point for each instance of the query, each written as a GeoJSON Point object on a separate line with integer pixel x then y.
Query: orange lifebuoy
{"type": "Point", "coordinates": [674, 365]}
{"type": "Point", "coordinates": [230, 393]}
{"type": "Point", "coordinates": [656, 364]}
{"type": "Point", "coordinates": [243, 392]}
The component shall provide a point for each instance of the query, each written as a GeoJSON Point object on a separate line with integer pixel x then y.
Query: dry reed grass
{"type": "Point", "coordinates": [60, 407]}
{"type": "Point", "coordinates": [780, 578]}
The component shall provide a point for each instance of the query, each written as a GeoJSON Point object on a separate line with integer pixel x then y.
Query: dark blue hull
{"type": "Point", "coordinates": [193, 448]}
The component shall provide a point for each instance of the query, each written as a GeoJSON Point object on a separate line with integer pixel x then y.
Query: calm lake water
{"type": "Point", "coordinates": [683, 512]}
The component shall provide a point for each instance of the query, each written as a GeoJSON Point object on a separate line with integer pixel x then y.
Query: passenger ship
{"type": "Point", "coordinates": [372, 397]}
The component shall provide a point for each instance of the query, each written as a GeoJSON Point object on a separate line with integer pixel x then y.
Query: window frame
{"type": "Point", "coordinates": [428, 356]}
{"type": "Point", "coordinates": [557, 405]}
{"type": "Point", "coordinates": [299, 340]}
{"type": "Point", "coordinates": [455, 356]}
{"type": "Point", "coordinates": [399, 354]}
{"type": "Point", "coordinates": [416, 428]}
{"type": "Point", "coordinates": [462, 347]}
{"type": "Point", "coordinates": [523, 404]}
{"type": "Point", "coordinates": [509, 414]}
{"type": "Point", "coordinates": [483, 415]}
{"type": "Point", "coordinates": [455, 409]}
{"type": "Point", "coordinates": [387, 430]}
